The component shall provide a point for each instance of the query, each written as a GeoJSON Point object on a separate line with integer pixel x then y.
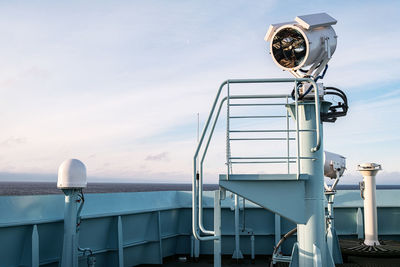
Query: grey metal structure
{"type": "Point", "coordinates": [303, 190]}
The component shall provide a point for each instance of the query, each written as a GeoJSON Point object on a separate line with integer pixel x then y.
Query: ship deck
{"type": "Point", "coordinates": [352, 261]}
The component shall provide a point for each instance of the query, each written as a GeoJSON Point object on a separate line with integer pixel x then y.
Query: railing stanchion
{"type": "Point", "coordinates": [287, 135]}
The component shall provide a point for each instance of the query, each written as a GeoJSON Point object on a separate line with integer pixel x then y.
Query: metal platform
{"type": "Point", "coordinates": [265, 189]}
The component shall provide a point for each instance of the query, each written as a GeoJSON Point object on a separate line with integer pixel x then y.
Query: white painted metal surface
{"type": "Point", "coordinates": [334, 164]}
{"type": "Point", "coordinates": [72, 174]}
{"type": "Point", "coordinates": [369, 171]}
{"type": "Point", "coordinates": [237, 254]}
{"type": "Point", "coordinates": [315, 46]}
{"type": "Point", "coordinates": [217, 228]}
{"type": "Point", "coordinates": [315, 20]}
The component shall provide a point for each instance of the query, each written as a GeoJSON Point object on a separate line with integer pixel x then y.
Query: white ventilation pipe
{"type": "Point", "coordinates": [369, 171]}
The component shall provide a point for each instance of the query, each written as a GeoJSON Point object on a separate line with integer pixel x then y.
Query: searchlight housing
{"type": "Point", "coordinates": [309, 40]}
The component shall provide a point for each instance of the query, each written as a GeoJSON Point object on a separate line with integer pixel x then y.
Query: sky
{"type": "Point", "coordinates": [119, 84]}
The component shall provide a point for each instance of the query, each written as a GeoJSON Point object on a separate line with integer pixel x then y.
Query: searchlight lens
{"type": "Point", "coordinates": [289, 48]}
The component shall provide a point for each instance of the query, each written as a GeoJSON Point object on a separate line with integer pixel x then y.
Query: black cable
{"type": "Point", "coordinates": [333, 112]}
{"type": "Point", "coordinates": [338, 90]}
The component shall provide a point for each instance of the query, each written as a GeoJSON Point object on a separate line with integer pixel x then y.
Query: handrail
{"type": "Point", "coordinates": [317, 116]}
{"type": "Point", "coordinates": [202, 228]}
{"type": "Point", "coordinates": [197, 182]}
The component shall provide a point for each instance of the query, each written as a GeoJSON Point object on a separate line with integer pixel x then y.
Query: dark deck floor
{"type": "Point", "coordinates": [352, 261]}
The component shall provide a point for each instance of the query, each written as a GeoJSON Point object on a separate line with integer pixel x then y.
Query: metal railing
{"type": "Point", "coordinates": [197, 183]}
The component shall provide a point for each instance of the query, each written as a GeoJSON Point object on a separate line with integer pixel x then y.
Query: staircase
{"type": "Point", "coordinates": [267, 190]}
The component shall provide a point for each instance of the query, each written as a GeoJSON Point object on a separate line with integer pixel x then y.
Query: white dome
{"type": "Point", "coordinates": [72, 174]}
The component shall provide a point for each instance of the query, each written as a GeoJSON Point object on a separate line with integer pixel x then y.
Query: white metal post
{"type": "Point", "coordinates": [217, 228]}
{"type": "Point", "coordinates": [369, 171]}
{"type": "Point", "coordinates": [237, 254]}
{"type": "Point", "coordinates": [311, 236]}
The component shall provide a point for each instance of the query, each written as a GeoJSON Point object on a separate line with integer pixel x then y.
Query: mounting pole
{"type": "Point", "coordinates": [70, 244]}
{"type": "Point", "coordinates": [71, 180]}
{"type": "Point", "coordinates": [312, 247]}
{"type": "Point", "coordinates": [369, 171]}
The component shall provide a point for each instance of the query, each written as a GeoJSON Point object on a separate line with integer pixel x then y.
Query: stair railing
{"type": "Point", "coordinates": [197, 182]}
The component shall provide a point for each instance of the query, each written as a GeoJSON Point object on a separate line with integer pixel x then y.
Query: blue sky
{"type": "Point", "coordinates": [118, 84]}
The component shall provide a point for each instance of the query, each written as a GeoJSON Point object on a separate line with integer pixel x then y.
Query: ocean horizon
{"type": "Point", "coordinates": [46, 188]}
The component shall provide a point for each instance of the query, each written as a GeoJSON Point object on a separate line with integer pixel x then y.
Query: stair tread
{"type": "Point", "coordinates": [263, 177]}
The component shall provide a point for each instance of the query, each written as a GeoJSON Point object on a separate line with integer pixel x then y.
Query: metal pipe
{"type": "Point", "coordinates": [195, 212]}
{"type": "Point", "coordinates": [269, 131]}
{"type": "Point", "coordinates": [296, 103]}
{"type": "Point", "coordinates": [252, 241]}
{"type": "Point", "coordinates": [257, 104]}
{"type": "Point", "coordinates": [276, 249]}
{"type": "Point", "coordinates": [257, 117]}
{"type": "Point", "coordinates": [237, 254]}
{"type": "Point", "coordinates": [311, 158]}
{"type": "Point", "coordinates": [262, 139]}
{"type": "Point", "coordinates": [317, 117]}
{"type": "Point", "coordinates": [228, 146]}
{"type": "Point", "coordinates": [287, 136]}
{"type": "Point", "coordinates": [255, 162]}
{"type": "Point", "coordinates": [217, 228]}
{"type": "Point", "coordinates": [201, 226]}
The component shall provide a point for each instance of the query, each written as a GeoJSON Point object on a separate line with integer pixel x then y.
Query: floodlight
{"type": "Point", "coordinates": [334, 165]}
{"type": "Point", "coordinates": [308, 41]}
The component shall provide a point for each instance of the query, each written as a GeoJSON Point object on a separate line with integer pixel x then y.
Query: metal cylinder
{"type": "Point", "coordinates": [237, 254]}
{"type": "Point", "coordinates": [69, 256]}
{"type": "Point", "coordinates": [252, 241]}
{"type": "Point", "coordinates": [313, 232]}
{"type": "Point", "coordinates": [369, 171]}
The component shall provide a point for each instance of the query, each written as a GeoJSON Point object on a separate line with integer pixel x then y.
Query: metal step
{"type": "Point", "coordinates": [263, 177]}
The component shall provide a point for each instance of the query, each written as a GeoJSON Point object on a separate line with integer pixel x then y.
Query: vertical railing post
{"type": "Point", "coordinates": [296, 103]}
{"type": "Point", "coordinates": [160, 236]}
{"type": "Point", "coordinates": [120, 243]}
{"type": "Point", "coordinates": [237, 254]}
{"type": "Point", "coordinates": [253, 248]}
{"type": "Point", "coordinates": [35, 246]}
{"type": "Point", "coordinates": [228, 141]}
{"type": "Point", "coordinates": [287, 136]}
{"type": "Point", "coordinates": [217, 228]}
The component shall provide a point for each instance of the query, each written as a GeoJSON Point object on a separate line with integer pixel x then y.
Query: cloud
{"type": "Point", "coordinates": [13, 141]}
{"type": "Point", "coordinates": [158, 157]}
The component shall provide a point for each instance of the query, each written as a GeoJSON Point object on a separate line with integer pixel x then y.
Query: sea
{"type": "Point", "coordinates": [46, 188]}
